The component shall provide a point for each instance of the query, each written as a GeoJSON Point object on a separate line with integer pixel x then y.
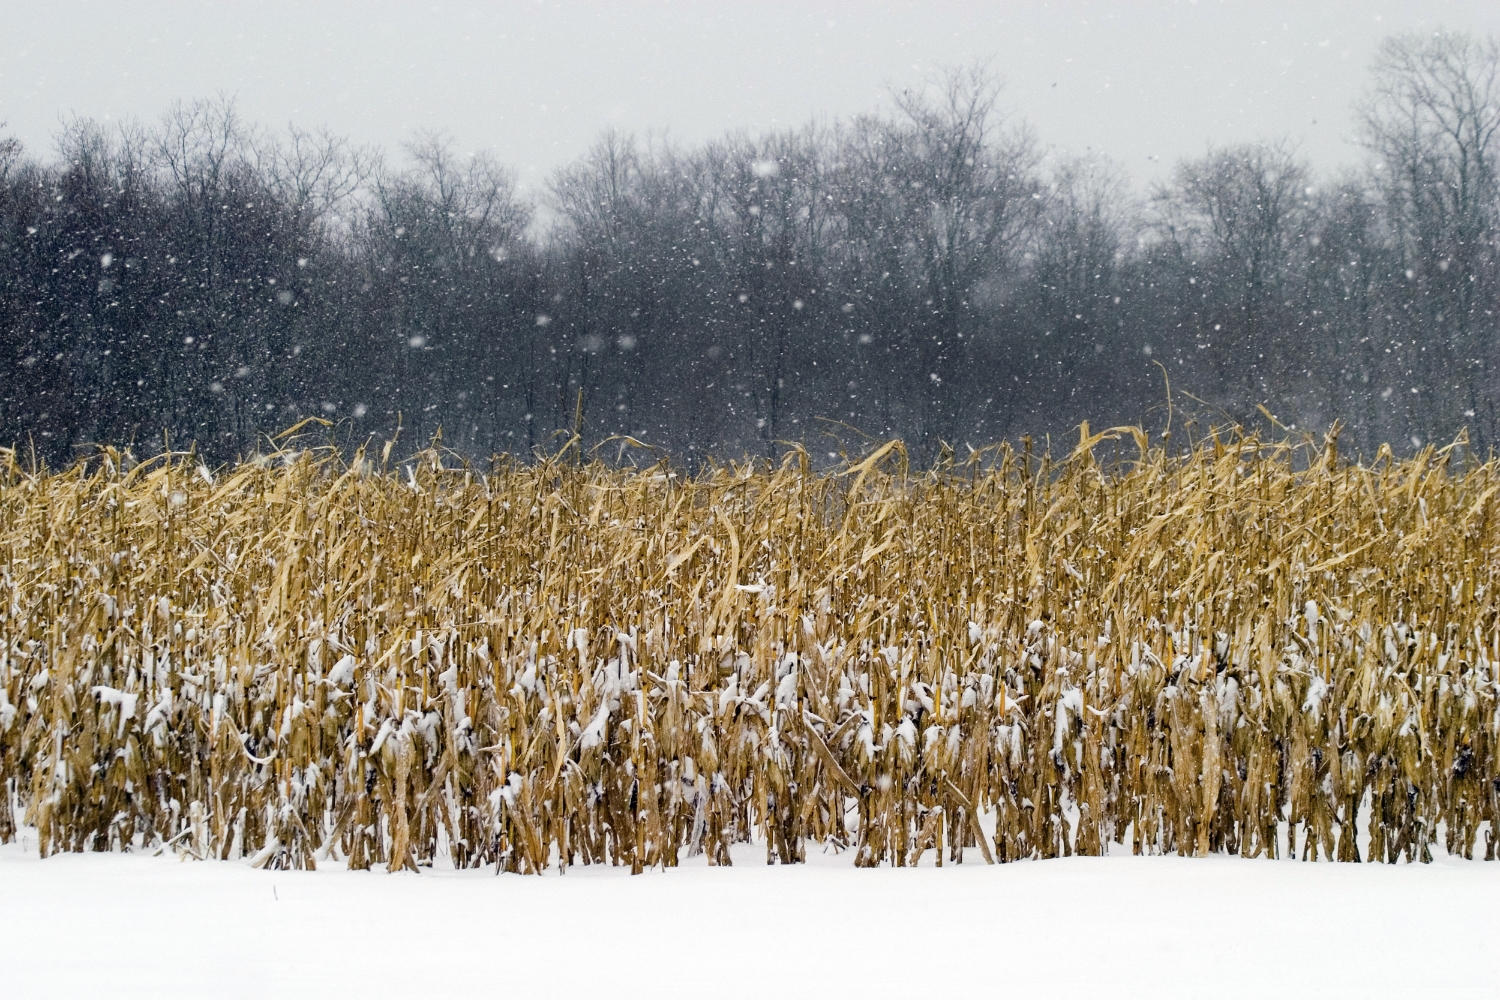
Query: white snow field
{"type": "Point", "coordinates": [134, 925]}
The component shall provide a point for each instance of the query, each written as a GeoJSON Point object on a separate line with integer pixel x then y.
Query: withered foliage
{"type": "Point", "coordinates": [1248, 647]}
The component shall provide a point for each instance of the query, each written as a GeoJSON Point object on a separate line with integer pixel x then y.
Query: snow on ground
{"type": "Point", "coordinates": [137, 926]}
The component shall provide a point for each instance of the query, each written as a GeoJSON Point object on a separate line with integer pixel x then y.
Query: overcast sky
{"type": "Point", "coordinates": [1147, 82]}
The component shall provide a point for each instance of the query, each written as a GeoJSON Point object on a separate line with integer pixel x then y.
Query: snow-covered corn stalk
{"type": "Point", "coordinates": [1249, 648]}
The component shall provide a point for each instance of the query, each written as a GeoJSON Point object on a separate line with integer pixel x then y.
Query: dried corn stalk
{"type": "Point", "coordinates": [1247, 648]}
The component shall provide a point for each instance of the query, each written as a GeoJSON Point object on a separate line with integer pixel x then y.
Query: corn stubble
{"type": "Point", "coordinates": [1250, 647]}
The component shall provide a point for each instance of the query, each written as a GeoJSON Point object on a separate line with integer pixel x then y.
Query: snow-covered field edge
{"type": "Point", "coordinates": [141, 924]}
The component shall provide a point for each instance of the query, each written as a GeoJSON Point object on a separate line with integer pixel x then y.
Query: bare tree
{"type": "Point", "coordinates": [1432, 119]}
{"type": "Point", "coordinates": [1341, 298]}
{"type": "Point", "coordinates": [439, 240]}
{"type": "Point", "coordinates": [1072, 293]}
{"type": "Point", "coordinates": [313, 172]}
{"type": "Point", "coordinates": [1233, 219]}
{"type": "Point", "coordinates": [771, 198]}
{"type": "Point", "coordinates": [941, 195]}
{"type": "Point", "coordinates": [10, 154]}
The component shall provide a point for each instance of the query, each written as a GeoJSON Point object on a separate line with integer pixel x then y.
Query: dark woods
{"type": "Point", "coordinates": [929, 273]}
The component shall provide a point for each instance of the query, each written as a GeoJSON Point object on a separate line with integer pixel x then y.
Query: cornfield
{"type": "Point", "coordinates": [1245, 646]}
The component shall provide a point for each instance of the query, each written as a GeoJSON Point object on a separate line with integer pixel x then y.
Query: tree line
{"type": "Point", "coordinates": [929, 272]}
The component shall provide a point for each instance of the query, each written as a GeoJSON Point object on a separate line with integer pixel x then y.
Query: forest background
{"type": "Point", "coordinates": [928, 271]}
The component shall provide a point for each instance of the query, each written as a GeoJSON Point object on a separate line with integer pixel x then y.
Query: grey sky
{"type": "Point", "coordinates": [1146, 82]}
